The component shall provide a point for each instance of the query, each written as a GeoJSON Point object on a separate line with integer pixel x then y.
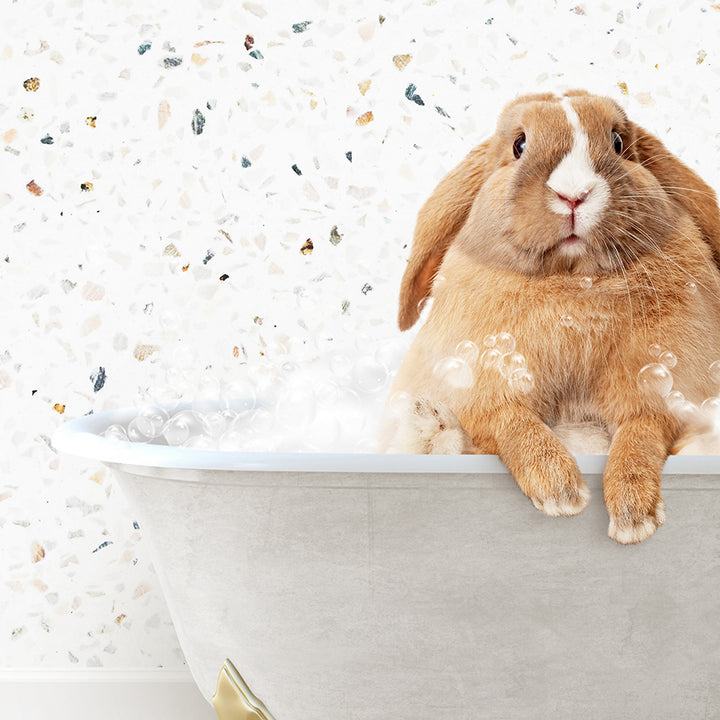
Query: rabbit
{"type": "Point", "coordinates": [560, 257]}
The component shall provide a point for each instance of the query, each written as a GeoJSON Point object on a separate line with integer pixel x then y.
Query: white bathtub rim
{"type": "Point", "coordinates": [76, 438]}
{"type": "Point", "coordinates": [82, 437]}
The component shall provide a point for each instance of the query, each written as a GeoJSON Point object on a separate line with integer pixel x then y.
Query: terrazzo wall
{"type": "Point", "coordinates": [189, 189]}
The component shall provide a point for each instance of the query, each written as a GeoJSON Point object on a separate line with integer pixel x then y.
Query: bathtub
{"type": "Point", "coordinates": [360, 587]}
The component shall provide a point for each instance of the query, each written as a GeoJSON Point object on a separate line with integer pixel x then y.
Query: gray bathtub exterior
{"type": "Point", "coordinates": [371, 592]}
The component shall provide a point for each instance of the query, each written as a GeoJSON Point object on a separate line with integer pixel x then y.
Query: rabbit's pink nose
{"type": "Point", "coordinates": [573, 202]}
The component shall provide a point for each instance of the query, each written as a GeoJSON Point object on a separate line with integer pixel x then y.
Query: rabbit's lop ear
{"type": "Point", "coordinates": [439, 221]}
{"type": "Point", "coordinates": [681, 184]}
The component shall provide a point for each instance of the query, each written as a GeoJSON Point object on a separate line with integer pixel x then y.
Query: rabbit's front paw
{"type": "Point", "coordinates": [633, 501]}
{"type": "Point", "coordinates": [545, 471]}
{"type": "Point", "coordinates": [629, 526]}
{"type": "Point", "coordinates": [429, 427]}
{"type": "Point", "coordinates": [569, 498]}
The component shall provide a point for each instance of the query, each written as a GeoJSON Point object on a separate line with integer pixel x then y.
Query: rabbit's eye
{"type": "Point", "coordinates": [617, 142]}
{"type": "Point", "coordinates": [519, 145]}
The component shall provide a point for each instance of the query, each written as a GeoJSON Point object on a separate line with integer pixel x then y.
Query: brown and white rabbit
{"type": "Point", "coordinates": [574, 235]}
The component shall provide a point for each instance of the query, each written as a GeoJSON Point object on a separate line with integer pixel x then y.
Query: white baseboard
{"type": "Point", "coordinates": [92, 693]}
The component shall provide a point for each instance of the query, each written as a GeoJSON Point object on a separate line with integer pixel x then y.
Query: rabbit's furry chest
{"type": "Point", "coordinates": [563, 325]}
{"type": "Point", "coordinates": [582, 340]}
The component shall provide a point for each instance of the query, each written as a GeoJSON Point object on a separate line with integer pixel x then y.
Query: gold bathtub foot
{"type": "Point", "coordinates": [233, 699]}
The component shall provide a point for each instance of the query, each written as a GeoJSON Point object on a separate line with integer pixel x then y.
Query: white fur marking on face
{"type": "Point", "coordinates": [575, 177]}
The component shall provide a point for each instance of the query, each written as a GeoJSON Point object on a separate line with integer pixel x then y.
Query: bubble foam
{"type": "Point", "coordinates": [331, 403]}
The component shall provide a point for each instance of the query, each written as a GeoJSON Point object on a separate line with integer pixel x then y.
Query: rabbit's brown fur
{"type": "Point", "coordinates": [495, 256]}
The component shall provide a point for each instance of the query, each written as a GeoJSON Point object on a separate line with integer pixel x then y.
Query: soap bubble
{"type": "Point", "coordinates": [454, 371]}
{"type": "Point", "coordinates": [490, 341]}
{"type": "Point", "coordinates": [326, 393]}
{"type": "Point", "coordinates": [491, 358]}
{"type": "Point", "coordinates": [711, 406]}
{"type": "Point", "coordinates": [201, 442]}
{"type": "Point", "coordinates": [690, 288]}
{"type": "Point", "coordinates": [711, 410]}
{"type": "Point", "coordinates": [214, 424]}
{"type": "Point", "coordinates": [239, 396]}
{"type": "Point", "coordinates": [714, 371]}
{"type": "Point", "coordinates": [586, 283]}
{"type": "Point", "coordinates": [180, 427]}
{"type": "Point", "coordinates": [391, 352]}
{"type": "Point", "coordinates": [151, 420]}
{"type": "Point", "coordinates": [424, 306]}
{"type": "Point", "coordinates": [362, 342]}
{"type": "Point", "coordinates": [399, 403]}
{"type": "Point", "coordinates": [668, 359]}
{"type": "Point", "coordinates": [511, 362]}
{"type": "Point", "coordinates": [261, 421]}
{"type": "Point", "coordinates": [681, 407]}
{"type": "Point", "coordinates": [675, 399]}
{"type": "Point", "coordinates": [135, 434]}
{"type": "Point", "coordinates": [522, 380]}
{"type": "Point", "coordinates": [468, 351]}
{"type": "Point", "coordinates": [654, 350]}
{"type": "Point", "coordinates": [505, 343]}
{"type": "Point", "coordinates": [655, 379]}
{"type": "Point", "coordinates": [166, 396]}
{"type": "Point", "coordinates": [116, 432]}
{"type": "Point", "coordinates": [232, 440]}
{"type": "Point", "coordinates": [439, 281]}
{"type": "Point", "coordinates": [369, 375]}
{"type": "Point", "coordinates": [566, 320]}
